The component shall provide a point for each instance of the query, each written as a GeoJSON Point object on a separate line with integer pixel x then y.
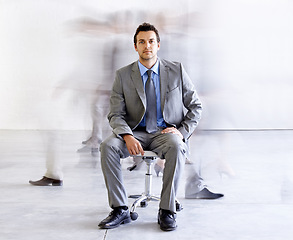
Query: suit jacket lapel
{"type": "Point", "coordinates": [163, 82]}
{"type": "Point", "coordinates": [137, 81]}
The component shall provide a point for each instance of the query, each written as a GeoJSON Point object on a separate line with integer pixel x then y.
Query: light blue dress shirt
{"type": "Point", "coordinates": [156, 79]}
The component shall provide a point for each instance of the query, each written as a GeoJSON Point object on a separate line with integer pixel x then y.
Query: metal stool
{"type": "Point", "coordinates": [149, 158]}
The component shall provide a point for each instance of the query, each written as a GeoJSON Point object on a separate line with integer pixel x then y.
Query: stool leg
{"type": "Point", "coordinates": [146, 196]}
{"type": "Point", "coordinates": [148, 180]}
{"type": "Point", "coordinates": [137, 202]}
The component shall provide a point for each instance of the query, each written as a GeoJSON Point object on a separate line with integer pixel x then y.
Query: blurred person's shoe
{"type": "Point", "coordinates": [119, 215]}
{"type": "Point", "coordinates": [158, 169]}
{"type": "Point", "coordinates": [204, 194]}
{"type": "Point", "coordinates": [84, 149]}
{"type": "Point", "coordinates": [86, 141]}
{"type": "Point", "coordinates": [47, 182]}
{"type": "Point", "coordinates": [188, 161]}
{"type": "Point", "coordinates": [92, 142]}
{"type": "Point", "coordinates": [167, 220]}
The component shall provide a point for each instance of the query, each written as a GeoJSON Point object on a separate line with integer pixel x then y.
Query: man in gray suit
{"type": "Point", "coordinates": [176, 111]}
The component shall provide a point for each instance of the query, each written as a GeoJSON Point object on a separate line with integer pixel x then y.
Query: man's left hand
{"type": "Point", "coordinates": [173, 131]}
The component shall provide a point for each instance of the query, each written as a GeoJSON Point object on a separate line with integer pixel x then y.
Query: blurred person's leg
{"type": "Point", "coordinates": [100, 110]}
{"type": "Point", "coordinates": [54, 163]}
{"type": "Point", "coordinates": [195, 187]}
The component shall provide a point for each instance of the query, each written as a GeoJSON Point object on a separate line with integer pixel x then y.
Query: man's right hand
{"type": "Point", "coordinates": [133, 145]}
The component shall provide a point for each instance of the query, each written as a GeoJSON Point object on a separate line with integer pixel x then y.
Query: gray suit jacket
{"type": "Point", "coordinates": [180, 103]}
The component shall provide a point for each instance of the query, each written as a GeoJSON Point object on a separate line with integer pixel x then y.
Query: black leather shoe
{"type": "Point", "coordinates": [116, 217]}
{"type": "Point", "coordinates": [204, 194]}
{"type": "Point", "coordinates": [167, 220]}
{"type": "Point", "coordinates": [47, 182]}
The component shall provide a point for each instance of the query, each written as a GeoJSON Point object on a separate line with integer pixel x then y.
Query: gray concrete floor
{"type": "Point", "coordinates": [254, 169]}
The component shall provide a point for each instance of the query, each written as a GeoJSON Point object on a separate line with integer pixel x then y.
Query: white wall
{"type": "Point", "coordinates": [249, 57]}
{"type": "Point", "coordinates": [54, 54]}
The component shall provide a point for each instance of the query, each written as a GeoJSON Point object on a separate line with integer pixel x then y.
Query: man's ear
{"type": "Point", "coordinates": [159, 45]}
{"type": "Point", "coordinates": [135, 47]}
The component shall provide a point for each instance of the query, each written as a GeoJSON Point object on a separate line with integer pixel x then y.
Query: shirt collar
{"type": "Point", "coordinates": [143, 69]}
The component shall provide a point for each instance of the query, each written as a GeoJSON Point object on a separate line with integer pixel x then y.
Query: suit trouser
{"type": "Point", "coordinates": [167, 146]}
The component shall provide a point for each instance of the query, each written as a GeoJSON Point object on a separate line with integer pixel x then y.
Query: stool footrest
{"type": "Point", "coordinates": [149, 157]}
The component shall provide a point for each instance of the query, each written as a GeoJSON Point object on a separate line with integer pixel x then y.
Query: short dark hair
{"type": "Point", "coordinates": [144, 28]}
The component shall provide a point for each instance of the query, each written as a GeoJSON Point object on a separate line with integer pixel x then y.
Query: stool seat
{"type": "Point", "coordinates": [148, 154]}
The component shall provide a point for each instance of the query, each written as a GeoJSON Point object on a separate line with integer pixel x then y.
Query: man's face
{"type": "Point", "coordinates": [147, 45]}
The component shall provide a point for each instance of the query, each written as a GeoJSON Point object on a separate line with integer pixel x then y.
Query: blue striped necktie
{"type": "Point", "coordinates": [151, 108]}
